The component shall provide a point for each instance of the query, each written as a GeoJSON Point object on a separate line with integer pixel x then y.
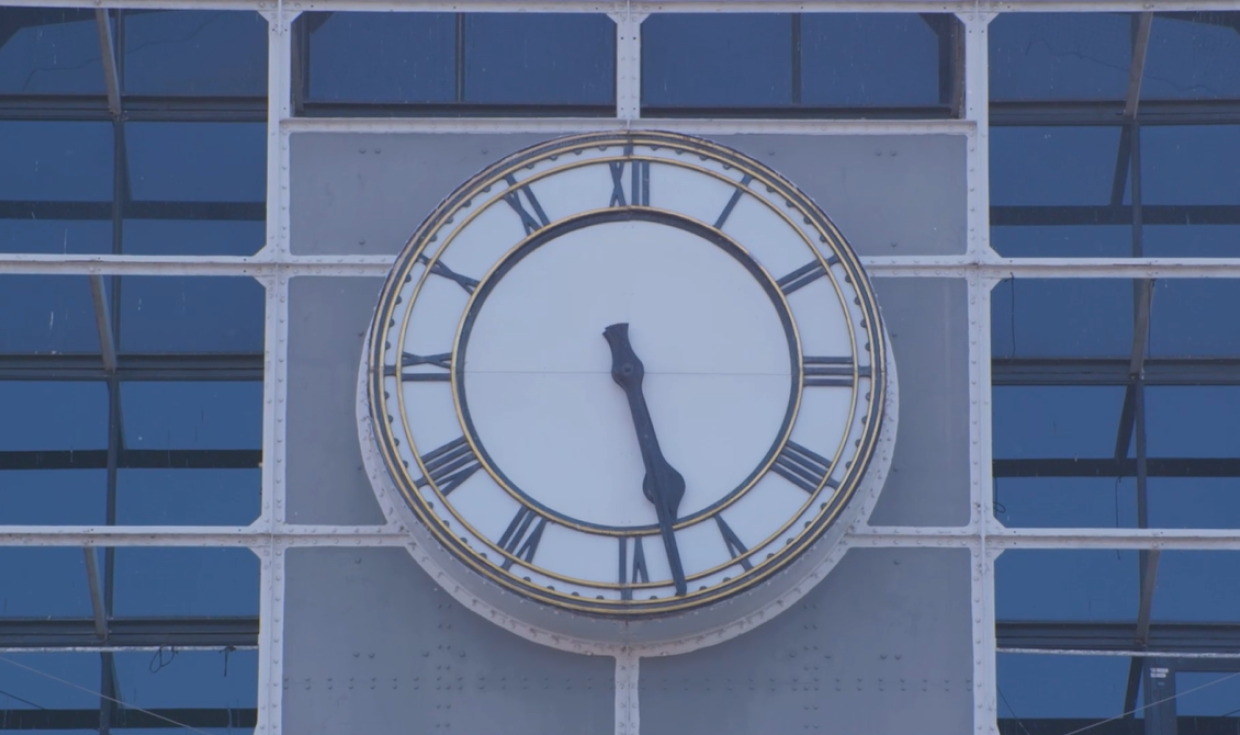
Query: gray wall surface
{"type": "Point", "coordinates": [882, 646]}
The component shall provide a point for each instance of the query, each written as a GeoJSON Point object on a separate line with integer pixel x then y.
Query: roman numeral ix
{"type": "Point", "coordinates": [805, 275]}
{"type": "Point", "coordinates": [449, 466]}
{"type": "Point", "coordinates": [408, 359]}
{"type": "Point", "coordinates": [531, 223]}
{"type": "Point", "coordinates": [637, 572]}
{"type": "Point", "coordinates": [519, 540]}
{"type": "Point", "coordinates": [736, 197]}
{"type": "Point", "coordinates": [803, 468]}
{"type": "Point", "coordinates": [828, 372]}
{"type": "Point", "coordinates": [440, 269]}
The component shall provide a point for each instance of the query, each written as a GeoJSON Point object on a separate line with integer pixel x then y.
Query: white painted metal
{"type": "Point", "coordinates": [628, 712]}
{"type": "Point", "coordinates": [628, 64]}
{"type": "Point", "coordinates": [565, 125]}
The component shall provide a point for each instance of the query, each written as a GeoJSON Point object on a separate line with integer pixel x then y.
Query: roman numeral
{"type": "Point", "coordinates": [735, 547]}
{"type": "Point", "coordinates": [636, 573]}
{"type": "Point", "coordinates": [519, 540]}
{"type": "Point", "coordinates": [828, 372]}
{"type": "Point", "coordinates": [408, 359]}
{"type": "Point", "coordinates": [531, 223]}
{"type": "Point", "coordinates": [736, 197]}
{"type": "Point", "coordinates": [639, 185]}
{"type": "Point", "coordinates": [805, 275]}
{"type": "Point", "coordinates": [449, 466]}
{"type": "Point", "coordinates": [803, 468]}
{"type": "Point", "coordinates": [440, 269]}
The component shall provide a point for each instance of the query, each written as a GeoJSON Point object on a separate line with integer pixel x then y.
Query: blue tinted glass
{"type": "Point", "coordinates": [194, 497]}
{"type": "Point", "coordinates": [22, 688]}
{"type": "Point", "coordinates": [199, 162]}
{"type": "Point", "coordinates": [48, 582]}
{"type": "Point", "coordinates": [1063, 241]}
{"type": "Point", "coordinates": [1052, 165]}
{"type": "Point", "coordinates": [1069, 317]}
{"type": "Point", "coordinates": [540, 58]}
{"type": "Point", "coordinates": [189, 679]}
{"type": "Point", "coordinates": [1067, 687]}
{"type": "Point", "coordinates": [195, 52]}
{"type": "Point", "coordinates": [1190, 164]}
{"type": "Point", "coordinates": [1211, 694]}
{"type": "Point", "coordinates": [1042, 422]}
{"type": "Point", "coordinates": [53, 497]}
{"type": "Point", "coordinates": [1192, 421]}
{"type": "Point", "coordinates": [50, 237]}
{"type": "Point", "coordinates": [1076, 502]}
{"type": "Point", "coordinates": [56, 161]}
{"type": "Point", "coordinates": [194, 237]}
{"type": "Point", "coordinates": [1193, 59]}
{"type": "Point", "coordinates": [206, 415]}
{"type": "Point", "coordinates": [1193, 502]}
{"type": "Point", "coordinates": [1189, 587]}
{"type": "Point", "coordinates": [53, 415]}
{"type": "Point", "coordinates": [858, 60]}
{"type": "Point", "coordinates": [1192, 241]}
{"type": "Point", "coordinates": [1060, 56]}
{"type": "Point", "coordinates": [1066, 585]}
{"type": "Point", "coordinates": [1185, 318]}
{"type": "Point", "coordinates": [724, 60]}
{"type": "Point", "coordinates": [191, 314]}
{"type": "Point", "coordinates": [410, 57]}
{"type": "Point", "coordinates": [47, 314]}
{"type": "Point", "coordinates": [185, 581]}
{"type": "Point", "coordinates": [44, 50]}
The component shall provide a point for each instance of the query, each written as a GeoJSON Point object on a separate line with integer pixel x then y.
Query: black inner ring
{"type": "Point", "coordinates": [626, 214]}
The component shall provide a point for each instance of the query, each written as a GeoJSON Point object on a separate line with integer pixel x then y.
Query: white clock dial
{"type": "Point", "coordinates": [627, 374]}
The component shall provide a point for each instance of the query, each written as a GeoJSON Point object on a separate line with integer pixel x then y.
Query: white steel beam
{"type": "Point", "coordinates": [565, 125]}
{"type": "Point", "coordinates": [256, 536]}
{"type": "Point", "coordinates": [628, 65]}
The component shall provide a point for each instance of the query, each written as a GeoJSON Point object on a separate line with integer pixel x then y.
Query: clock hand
{"type": "Point", "coordinates": [663, 485]}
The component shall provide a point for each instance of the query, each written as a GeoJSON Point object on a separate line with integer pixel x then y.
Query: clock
{"type": "Point", "coordinates": [626, 378]}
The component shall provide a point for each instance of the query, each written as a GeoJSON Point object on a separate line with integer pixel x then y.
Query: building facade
{"type": "Point", "coordinates": [200, 201]}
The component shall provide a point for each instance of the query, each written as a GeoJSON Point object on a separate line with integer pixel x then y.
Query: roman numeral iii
{"type": "Point", "coordinates": [803, 468]}
{"type": "Point", "coordinates": [449, 466]}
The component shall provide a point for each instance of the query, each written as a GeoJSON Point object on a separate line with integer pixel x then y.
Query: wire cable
{"type": "Point", "coordinates": [1177, 695]}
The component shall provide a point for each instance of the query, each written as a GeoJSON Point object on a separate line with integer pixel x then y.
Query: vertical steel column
{"type": "Point", "coordinates": [628, 64]}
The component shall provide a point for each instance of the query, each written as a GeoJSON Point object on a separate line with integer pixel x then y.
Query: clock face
{"type": "Point", "coordinates": [627, 374]}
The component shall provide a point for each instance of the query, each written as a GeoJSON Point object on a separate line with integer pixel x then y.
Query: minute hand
{"type": "Point", "coordinates": [663, 485]}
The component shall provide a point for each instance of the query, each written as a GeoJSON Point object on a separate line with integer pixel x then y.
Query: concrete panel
{"type": "Point", "coordinates": [328, 319]}
{"type": "Point", "coordinates": [890, 195]}
{"type": "Point", "coordinates": [881, 647]}
{"type": "Point", "coordinates": [928, 320]}
{"type": "Point", "coordinates": [372, 646]}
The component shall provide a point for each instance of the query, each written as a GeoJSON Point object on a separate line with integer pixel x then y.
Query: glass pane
{"type": "Point", "coordinates": [1073, 502]}
{"type": "Point", "coordinates": [42, 416]}
{"type": "Point", "coordinates": [410, 57]}
{"type": "Point", "coordinates": [1190, 164]}
{"type": "Point", "coordinates": [189, 679]}
{"type": "Point", "coordinates": [1063, 241]}
{"type": "Point", "coordinates": [1052, 165]}
{"type": "Point", "coordinates": [194, 237]}
{"type": "Point", "coordinates": [1186, 318]}
{"type": "Point", "coordinates": [196, 582]}
{"type": "Point", "coordinates": [540, 59]}
{"type": "Point", "coordinates": [50, 237]}
{"type": "Point", "coordinates": [1194, 502]}
{"type": "Point", "coordinates": [207, 415]}
{"type": "Point", "coordinates": [1073, 584]}
{"type": "Point", "coordinates": [53, 497]}
{"type": "Point", "coordinates": [1038, 687]}
{"type": "Point", "coordinates": [47, 314]}
{"type": "Point", "coordinates": [1193, 421]}
{"type": "Point", "coordinates": [1213, 694]}
{"type": "Point", "coordinates": [1191, 241]}
{"type": "Point", "coordinates": [723, 60]}
{"type": "Point", "coordinates": [22, 689]}
{"type": "Point", "coordinates": [191, 314]}
{"type": "Point", "coordinates": [1193, 57]}
{"type": "Point", "coordinates": [197, 162]}
{"type": "Point", "coordinates": [56, 161]}
{"type": "Point", "coordinates": [48, 582]}
{"type": "Point", "coordinates": [195, 52]}
{"type": "Point", "coordinates": [1060, 56]}
{"type": "Point", "coordinates": [1068, 317]}
{"type": "Point", "coordinates": [1039, 422]}
{"type": "Point", "coordinates": [193, 497]}
{"type": "Point", "coordinates": [53, 51]}
{"type": "Point", "coordinates": [870, 60]}
{"type": "Point", "coordinates": [1189, 588]}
